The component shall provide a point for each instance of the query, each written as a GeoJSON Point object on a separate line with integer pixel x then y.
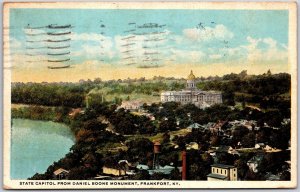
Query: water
{"type": "Point", "coordinates": [36, 145]}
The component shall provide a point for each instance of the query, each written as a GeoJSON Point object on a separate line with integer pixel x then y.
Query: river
{"type": "Point", "coordinates": [37, 144]}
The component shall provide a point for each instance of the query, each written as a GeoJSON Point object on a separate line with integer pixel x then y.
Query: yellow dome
{"type": "Point", "coordinates": [191, 76]}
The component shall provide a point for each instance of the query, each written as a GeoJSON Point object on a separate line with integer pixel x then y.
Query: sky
{"type": "Point", "coordinates": [117, 44]}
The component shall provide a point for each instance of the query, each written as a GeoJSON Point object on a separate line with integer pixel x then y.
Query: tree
{"type": "Point", "coordinates": [242, 168]}
{"type": "Point", "coordinates": [81, 173]}
{"type": "Point", "coordinates": [285, 176]}
{"type": "Point", "coordinates": [214, 140]}
{"type": "Point", "coordinates": [248, 140]}
{"type": "Point", "coordinates": [139, 148]}
{"type": "Point", "coordinates": [166, 137]}
{"type": "Point", "coordinates": [94, 125]}
{"type": "Point", "coordinates": [141, 175]}
{"type": "Point", "coordinates": [238, 133]}
{"type": "Point", "coordinates": [251, 176]}
{"type": "Point", "coordinates": [167, 125]}
{"type": "Point", "coordinates": [225, 158]}
{"type": "Point", "coordinates": [158, 176]}
{"type": "Point", "coordinates": [175, 175]}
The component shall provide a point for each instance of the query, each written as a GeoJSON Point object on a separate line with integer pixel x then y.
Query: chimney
{"type": "Point", "coordinates": [183, 174]}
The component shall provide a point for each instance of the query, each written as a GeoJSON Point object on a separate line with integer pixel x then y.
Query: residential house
{"type": "Point", "coordinates": [60, 174]}
{"type": "Point", "coordinates": [116, 171]}
{"type": "Point", "coordinates": [167, 169]}
{"type": "Point", "coordinates": [192, 145]}
{"type": "Point", "coordinates": [259, 146]}
{"type": "Point", "coordinates": [218, 128]}
{"type": "Point", "coordinates": [76, 111]}
{"type": "Point", "coordinates": [195, 126]}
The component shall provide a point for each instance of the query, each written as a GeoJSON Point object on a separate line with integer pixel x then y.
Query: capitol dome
{"type": "Point", "coordinates": [191, 76]}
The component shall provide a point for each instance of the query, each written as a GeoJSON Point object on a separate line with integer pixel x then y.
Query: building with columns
{"type": "Point", "coordinates": [191, 94]}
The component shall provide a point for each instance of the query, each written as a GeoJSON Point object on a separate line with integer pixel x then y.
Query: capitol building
{"type": "Point", "coordinates": [191, 94]}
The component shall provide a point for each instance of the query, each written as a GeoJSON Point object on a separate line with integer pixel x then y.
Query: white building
{"type": "Point", "coordinates": [220, 172]}
{"type": "Point", "coordinates": [131, 105]}
{"type": "Point", "coordinates": [191, 94]}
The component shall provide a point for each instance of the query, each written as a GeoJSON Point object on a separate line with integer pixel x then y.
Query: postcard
{"type": "Point", "coordinates": [153, 95]}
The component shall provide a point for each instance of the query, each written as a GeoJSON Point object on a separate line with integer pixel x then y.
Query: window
{"type": "Point", "coordinates": [217, 170]}
{"type": "Point", "coordinates": [213, 170]}
{"type": "Point", "coordinates": [221, 171]}
{"type": "Point", "coordinates": [225, 171]}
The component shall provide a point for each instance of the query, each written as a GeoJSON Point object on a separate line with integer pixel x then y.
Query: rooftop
{"type": "Point", "coordinates": [59, 171]}
{"type": "Point", "coordinates": [191, 76]}
{"type": "Point", "coordinates": [217, 176]}
{"type": "Point", "coordinates": [256, 159]}
{"type": "Point", "coordinates": [223, 166]}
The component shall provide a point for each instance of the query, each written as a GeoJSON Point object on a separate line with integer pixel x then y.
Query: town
{"type": "Point", "coordinates": [235, 127]}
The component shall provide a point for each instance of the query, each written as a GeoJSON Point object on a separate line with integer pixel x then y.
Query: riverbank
{"type": "Point", "coordinates": [38, 112]}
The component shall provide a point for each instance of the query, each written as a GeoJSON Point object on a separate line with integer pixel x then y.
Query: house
{"type": "Point", "coordinates": [221, 172]}
{"type": "Point", "coordinates": [167, 169]}
{"type": "Point", "coordinates": [149, 115]}
{"type": "Point", "coordinates": [76, 111]}
{"type": "Point", "coordinates": [131, 105]}
{"type": "Point", "coordinates": [218, 127]}
{"type": "Point", "coordinates": [259, 146]}
{"type": "Point", "coordinates": [195, 126]}
{"type": "Point", "coordinates": [268, 148]}
{"type": "Point", "coordinates": [192, 145]}
{"type": "Point", "coordinates": [60, 174]}
{"type": "Point", "coordinates": [249, 124]}
{"type": "Point", "coordinates": [116, 171]}
{"type": "Point", "coordinates": [254, 162]}
{"type": "Point", "coordinates": [142, 167]}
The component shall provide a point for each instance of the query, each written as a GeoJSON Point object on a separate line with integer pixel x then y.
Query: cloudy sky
{"type": "Point", "coordinates": [113, 44]}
